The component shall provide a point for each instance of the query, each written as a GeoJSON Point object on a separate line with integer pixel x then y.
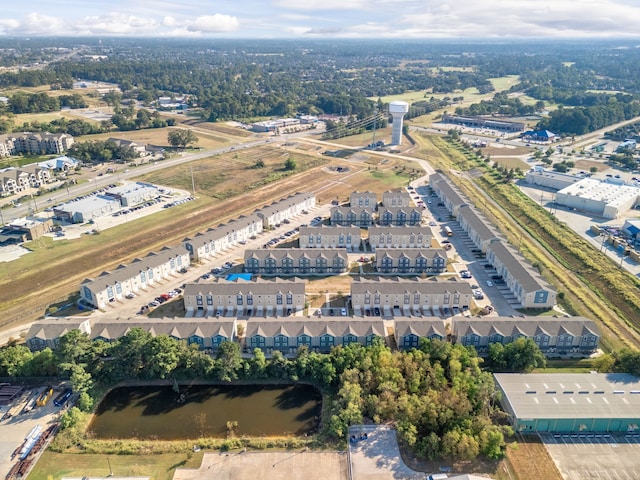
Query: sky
{"type": "Point", "coordinates": [323, 18]}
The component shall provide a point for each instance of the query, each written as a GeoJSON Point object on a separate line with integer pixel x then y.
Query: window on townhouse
{"type": "Point", "coordinates": [239, 299]}
{"type": "Point", "coordinates": [209, 300]}
{"type": "Point", "coordinates": [279, 299]}
{"type": "Point", "coordinates": [407, 299]}
{"type": "Point", "coordinates": [289, 299]}
{"type": "Point", "coordinates": [249, 299]}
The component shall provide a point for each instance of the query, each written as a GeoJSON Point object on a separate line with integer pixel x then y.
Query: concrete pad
{"type": "Point", "coordinates": [272, 465]}
{"type": "Point", "coordinates": [378, 456]}
{"type": "Point", "coordinates": [615, 456]}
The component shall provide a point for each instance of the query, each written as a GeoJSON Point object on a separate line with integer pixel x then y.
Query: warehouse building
{"type": "Point", "coordinates": [606, 199]}
{"type": "Point", "coordinates": [547, 178]}
{"type": "Point", "coordinates": [571, 402]}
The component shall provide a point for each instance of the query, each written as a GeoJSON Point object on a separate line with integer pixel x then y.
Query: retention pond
{"type": "Point", "coordinates": [159, 412]}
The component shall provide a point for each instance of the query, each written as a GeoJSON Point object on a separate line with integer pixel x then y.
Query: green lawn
{"type": "Point", "coordinates": [158, 467]}
{"type": "Point", "coordinates": [393, 178]}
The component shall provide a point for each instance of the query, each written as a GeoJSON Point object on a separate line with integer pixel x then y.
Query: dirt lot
{"type": "Point", "coordinates": [272, 465]}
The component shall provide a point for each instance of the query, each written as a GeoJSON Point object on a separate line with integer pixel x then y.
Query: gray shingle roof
{"type": "Point", "coordinates": [125, 272]}
{"type": "Point", "coordinates": [255, 286]}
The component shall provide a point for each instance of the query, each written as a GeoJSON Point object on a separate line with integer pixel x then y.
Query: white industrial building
{"type": "Point", "coordinates": [85, 209]}
{"type": "Point", "coordinates": [132, 194]}
{"type": "Point", "coordinates": [602, 198]}
{"type": "Point", "coordinates": [550, 179]}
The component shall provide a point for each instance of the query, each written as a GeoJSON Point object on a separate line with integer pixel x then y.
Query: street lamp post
{"type": "Point", "coordinates": [110, 471]}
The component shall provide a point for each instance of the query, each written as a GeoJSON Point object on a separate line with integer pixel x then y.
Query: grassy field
{"type": "Point", "coordinates": [158, 466]}
{"type": "Point", "coordinates": [528, 459]}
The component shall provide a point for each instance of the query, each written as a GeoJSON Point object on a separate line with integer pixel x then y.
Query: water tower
{"type": "Point", "coordinates": [397, 110]}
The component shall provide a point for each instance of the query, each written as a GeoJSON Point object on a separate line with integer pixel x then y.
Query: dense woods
{"type": "Point", "coordinates": [438, 396]}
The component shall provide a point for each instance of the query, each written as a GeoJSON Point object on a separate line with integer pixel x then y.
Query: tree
{"type": "Point", "coordinates": [181, 137]}
{"type": "Point", "coordinates": [290, 164]}
{"type": "Point", "coordinates": [228, 361]}
{"type": "Point", "coordinates": [521, 355]}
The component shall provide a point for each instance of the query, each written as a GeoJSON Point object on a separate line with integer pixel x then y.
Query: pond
{"type": "Point", "coordinates": [158, 412]}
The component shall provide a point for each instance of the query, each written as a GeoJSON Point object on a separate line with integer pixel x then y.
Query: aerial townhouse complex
{"type": "Point", "coordinates": [34, 143]}
{"type": "Point", "coordinates": [402, 300]}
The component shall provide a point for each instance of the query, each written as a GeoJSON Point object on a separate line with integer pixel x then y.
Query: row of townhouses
{"type": "Point", "coordinates": [330, 236]}
{"type": "Point", "coordinates": [555, 336]}
{"type": "Point", "coordinates": [215, 240]}
{"type": "Point", "coordinates": [140, 274]}
{"type": "Point", "coordinates": [524, 282]}
{"type": "Point", "coordinates": [395, 296]}
{"type": "Point", "coordinates": [369, 200]}
{"type": "Point", "coordinates": [145, 272]}
{"type": "Point", "coordinates": [334, 261]}
{"type": "Point", "coordinates": [364, 217]}
{"type": "Point", "coordinates": [41, 143]}
{"type": "Point", "coordinates": [364, 211]}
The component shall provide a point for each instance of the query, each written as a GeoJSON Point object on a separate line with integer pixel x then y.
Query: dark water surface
{"type": "Point", "coordinates": [156, 412]}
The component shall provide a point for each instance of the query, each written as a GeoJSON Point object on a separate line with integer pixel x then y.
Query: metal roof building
{"type": "Point", "coordinates": [572, 402]}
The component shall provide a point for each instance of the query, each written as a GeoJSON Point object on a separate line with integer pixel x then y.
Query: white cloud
{"type": "Point", "coordinates": [38, 24]}
{"type": "Point", "coordinates": [214, 24]}
{"type": "Point", "coordinates": [169, 21]}
{"type": "Point", "coordinates": [321, 4]}
{"type": "Point", "coordinates": [116, 24]}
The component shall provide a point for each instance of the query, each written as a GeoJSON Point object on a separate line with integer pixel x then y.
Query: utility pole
{"type": "Point", "coordinates": [193, 184]}
{"type": "Point", "coordinates": [110, 471]}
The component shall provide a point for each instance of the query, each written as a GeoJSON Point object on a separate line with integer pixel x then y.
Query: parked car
{"type": "Point", "coordinates": [489, 283]}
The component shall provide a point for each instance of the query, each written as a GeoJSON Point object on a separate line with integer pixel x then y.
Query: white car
{"type": "Point", "coordinates": [489, 283]}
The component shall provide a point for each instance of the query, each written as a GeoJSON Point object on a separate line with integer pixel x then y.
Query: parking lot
{"type": "Point", "coordinates": [601, 456]}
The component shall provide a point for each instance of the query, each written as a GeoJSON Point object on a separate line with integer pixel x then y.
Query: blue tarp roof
{"type": "Point", "coordinates": [243, 276]}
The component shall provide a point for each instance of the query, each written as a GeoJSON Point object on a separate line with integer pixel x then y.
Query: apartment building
{"type": "Point", "coordinates": [410, 261]}
{"type": "Point", "coordinates": [347, 216]}
{"type": "Point", "coordinates": [330, 236]}
{"type": "Point", "coordinates": [296, 261]}
{"type": "Point", "coordinates": [399, 237]}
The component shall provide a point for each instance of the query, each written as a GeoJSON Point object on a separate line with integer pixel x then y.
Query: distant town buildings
{"type": "Point", "coordinates": [34, 143]}
{"type": "Point", "coordinates": [484, 122]}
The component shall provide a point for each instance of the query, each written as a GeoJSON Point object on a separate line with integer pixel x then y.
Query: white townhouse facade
{"type": "Point", "coordinates": [399, 237]}
{"type": "Point", "coordinates": [330, 236]}
{"type": "Point", "coordinates": [285, 209]}
{"type": "Point", "coordinates": [203, 246]}
{"type": "Point", "coordinates": [16, 180]}
{"type": "Point", "coordinates": [526, 284]}
{"type": "Point", "coordinates": [400, 296]}
{"type": "Point", "coordinates": [240, 297]}
{"type": "Point", "coordinates": [396, 199]}
{"type": "Point", "coordinates": [141, 273]}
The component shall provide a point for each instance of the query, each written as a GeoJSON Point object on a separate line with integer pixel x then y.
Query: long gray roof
{"type": "Point", "coordinates": [51, 328]}
{"type": "Point", "coordinates": [411, 253]}
{"type": "Point", "coordinates": [255, 286]}
{"type": "Point", "coordinates": [422, 327]}
{"type": "Point", "coordinates": [177, 327]}
{"type": "Point", "coordinates": [330, 230]}
{"type": "Point", "coordinates": [572, 395]}
{"type": "Point", "coordinates": [402, 230]}
{"type": "Point", "coordinates": [315, 327]}
{"type": "Point", "coordinates": [284, 203]}
{"type": "Point", "coordinates": [528, 326]}
{"type": "Point", "coordinates": [311, 253]}
{"type": "Point", "coordinates": [479, 224]}
{"type": "Point", "coordinates": [125, 272]}
{"type": "Point", "coordinates": [518, 267]}
{"type": "Point", "coordinates": [400, 285]}
{"type": "Point", "coordinates": [447, 189]}
{"type": "Point", "coordinates": [222, 230]}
